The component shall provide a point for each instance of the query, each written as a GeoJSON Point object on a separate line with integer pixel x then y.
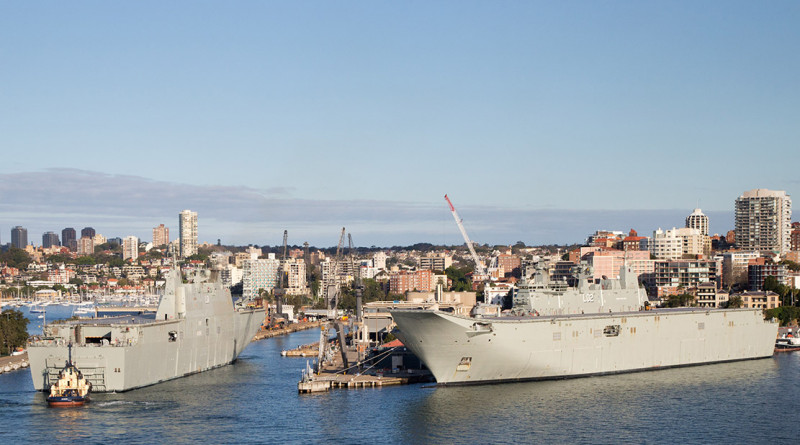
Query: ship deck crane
{"type": "Point", "coordinates": [479, 267]}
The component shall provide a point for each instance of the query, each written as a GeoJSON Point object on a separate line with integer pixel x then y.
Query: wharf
{"type": "Point", "coordinates": [269, 333]}
{"type": "Point", "coordinates": [14, 362]}
{"type": "Point", "coordinates": [335, 376]}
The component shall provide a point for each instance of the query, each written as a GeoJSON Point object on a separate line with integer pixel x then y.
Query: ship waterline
{"type": "Point", "coordinates": [463, 350]}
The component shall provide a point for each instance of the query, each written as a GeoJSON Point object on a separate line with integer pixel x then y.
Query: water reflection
{"type": "Point", "coordinates": [256, 401]}
{"type": "Point", "coordinates": [630, 407]}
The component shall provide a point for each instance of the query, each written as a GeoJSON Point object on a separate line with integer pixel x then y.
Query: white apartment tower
{"type": "Point", "coordinates": [764, 221]}
{"type": "Point", "coordinates": [379, 260]}
{"type": "Point", "coordinates": [260, 274]}
{"type": "Point", "coordinates": [187, 225]}
{"type": "Point", "coordinates": [130, 248]}
{"type": "Point", "coordinates": [697, 220]}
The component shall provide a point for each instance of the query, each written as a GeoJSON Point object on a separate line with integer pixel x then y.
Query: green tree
{"type": "Point", "coordinates": [373, 290]}
{"type": "Point", "coordinates": [60, 258]}
{"type": "Point", "coordinates": [682, 300]}
{"type": "Point", "coordinates": [459, 278]}
{"type": "Point", "coordinates": [735, 301]}
{"type": "Point", "coordinates": [785, 292]}
{"type": "Point", "coordinates": [152, 254]}
{"type": "Point", "coordinates": [13, 330]}
{"type": "Point", "coordinates": [793, 266]}
{"type": "Point", "coordinates": [785, 314]}
{"type": "Point", "coordinates": [347, 299]}
{"type": "Point", "coordinates": [16, 258]}
{"type": "Point", "coordinates": [85, 261]}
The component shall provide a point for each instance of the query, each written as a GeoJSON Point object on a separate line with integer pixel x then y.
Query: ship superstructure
{"type": "Point", "coordinates": [561, 331]}
{"type": "Point", "coordinates": [197, 327]}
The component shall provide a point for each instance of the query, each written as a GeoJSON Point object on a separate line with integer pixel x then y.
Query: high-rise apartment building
{"type": "Point", "coordinates": [68, 239]}
{"type": "Point", "coordinates": [379, 260]}
{"type": "Point", "coordinates": [697, 220]}
{"type": "Point", "coordinates": [260, 274]}
{"type": "Point", "coordinates": [763, 221]}
{"type": "Point", "coordinates": [86, 245]}
{"type": "Point", "coordinates": [187, 226]}
{"type": "Point", "coordinates": [795, 237]}
{"type": "Point", "coordinates": [130, 248]}
{"type": "Point", "coordinates": [50, 239]}
{"type": "Point", "coordinates": [19, 237]}
{"type": "Point", "coordinates": [160, 235]}
{"type": "Point", "coordinates": [295, 270]}
{"type": "Point", "coordinates": [88, 232]}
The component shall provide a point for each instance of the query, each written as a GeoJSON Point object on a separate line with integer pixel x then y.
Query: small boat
{"type": "Point", "coordinates": [84, 310]}
{"type": "Point", "coordinates": [71, 388]}
{"type": "Point", "coordinates": [36, 310]}
{"type": "Point", "coordinates": [787, 342]}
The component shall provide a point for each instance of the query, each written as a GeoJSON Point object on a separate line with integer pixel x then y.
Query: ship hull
{"type": "Point", "coordinates": [145, 354]}
{"type": "Point", "coordinates": [66, 402]}
{"type": "Point", "coordinates": [460, 350]}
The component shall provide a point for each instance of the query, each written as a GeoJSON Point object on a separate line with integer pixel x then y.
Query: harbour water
{"type": "Point", "coordinates": [255, 400]}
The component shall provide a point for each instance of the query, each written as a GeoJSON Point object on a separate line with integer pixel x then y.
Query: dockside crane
{"type": "Point", "coordinates": [333, 282]}
{"type": "Point", "coordinates": [280, 291]}
{"type": "Point", "coordinates": [358, 287]}
{"type": "Point", "coordinates": [480, 269]}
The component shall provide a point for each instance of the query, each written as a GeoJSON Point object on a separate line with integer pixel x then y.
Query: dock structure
{"type": "Point", "coordinates": [333, 373]}
{"type": "Point", "coordinates": [325, 382]}
{"type": "Point", "coordinates": [295, 327]}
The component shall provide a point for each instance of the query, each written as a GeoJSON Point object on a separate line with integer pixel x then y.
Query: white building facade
{"type": "Point", "coordinates": [764, 221]}
{"type": "Point", "coordinates": [130, 248]}
{"type": "Point", "coordinates": [260, 274]}
{"type": "Point", "coordinates": [674, 244]}
{"type": "Point", "coordinates": [187, 226]}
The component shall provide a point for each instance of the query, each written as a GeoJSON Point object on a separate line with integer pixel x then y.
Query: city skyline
{"type": "Point", "coordinates": [583, 224]}
{"type": "Point", "coordinates": [542, 121]}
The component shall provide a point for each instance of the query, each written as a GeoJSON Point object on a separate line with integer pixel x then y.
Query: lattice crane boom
{"type": "Point", "coordinates": [479, 267]}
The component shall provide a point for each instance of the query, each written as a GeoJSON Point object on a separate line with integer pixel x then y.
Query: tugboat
{"type": "Point", "coordinates": [71, 389]}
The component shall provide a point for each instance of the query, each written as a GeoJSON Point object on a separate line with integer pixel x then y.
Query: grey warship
{"type": "Point", "coordinates": [197, 327]}
{"type": "Point", "coordinates": [560, 331]}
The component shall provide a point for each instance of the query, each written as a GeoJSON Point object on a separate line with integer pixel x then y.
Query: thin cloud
{"type": "Point", "coordinates": [121, 205]}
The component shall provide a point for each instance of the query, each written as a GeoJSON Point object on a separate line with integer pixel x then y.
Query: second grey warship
{"type": "Point", "coordinates": [560, 331]}
{"type": "Point", "coordinates": [197, 327]}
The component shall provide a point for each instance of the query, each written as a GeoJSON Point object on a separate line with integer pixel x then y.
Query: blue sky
{"type": "Point", "coordinates": [543, 121]}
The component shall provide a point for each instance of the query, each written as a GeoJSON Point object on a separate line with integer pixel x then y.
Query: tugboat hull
{"type": "Point", "coordinates": [66, 402]}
